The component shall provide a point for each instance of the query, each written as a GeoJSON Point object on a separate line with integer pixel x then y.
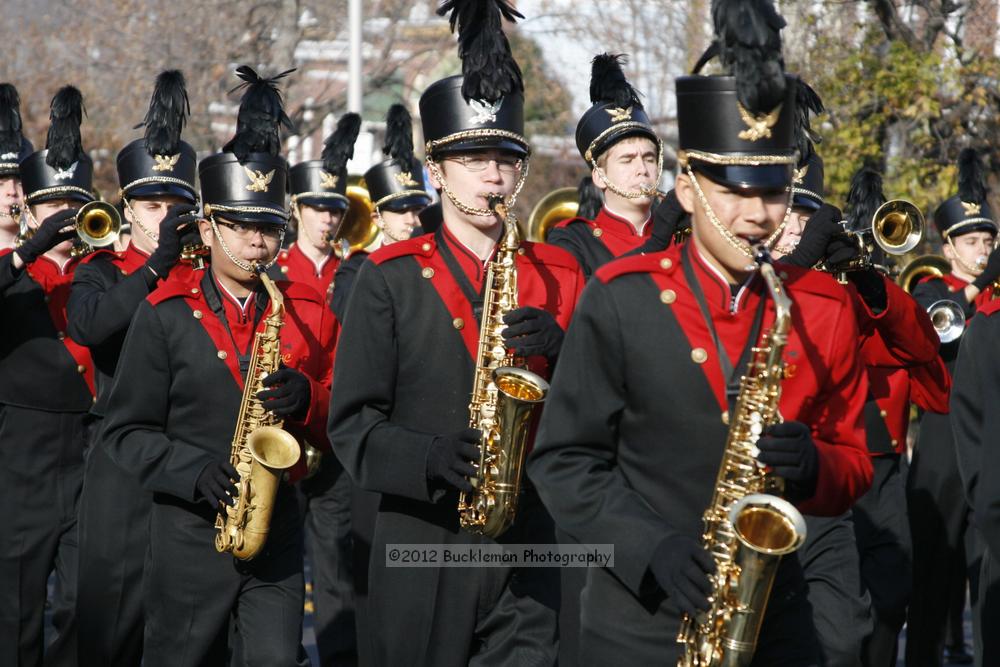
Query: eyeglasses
{"type": "Point", "coordinates": [505, 165]}
{"type": "Point", "coordinates": [246, 230]}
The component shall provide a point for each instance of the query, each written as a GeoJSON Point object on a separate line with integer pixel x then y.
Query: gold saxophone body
{"type": "Point", "coordinates": [261, 449]}
{"type": "Point", "coordinates": [747, 528]}
{"type": "Point", "coordinates": [504, 397]}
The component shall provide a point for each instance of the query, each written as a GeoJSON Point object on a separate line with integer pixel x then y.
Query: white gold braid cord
{"type": "Point", "coordinates": [153, 236]}
{"type": "Point", "coordinates": [246, 266]}
{"type": "Point", "coordinates": [973, 270]}
{"type": "Point", "coordinates": [301, 226]}
{"type": "Point", "coordinates": [643, 191]}
{"type": "Point", "coordinates": [735, 242]}
{"type": "Point", "coordinates": [385, 228]}
{"type": "Point", "coordinates": [472, 210]}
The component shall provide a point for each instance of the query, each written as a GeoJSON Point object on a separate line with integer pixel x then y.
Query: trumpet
{"type": "Point", "coordinates": [24, 232]}
{"type": "Point", "coordinates": [897, 227]}
{"type": "Point", "coordinates": [948, 319]}
{"type": "Point", "coordinates": [98, 225]}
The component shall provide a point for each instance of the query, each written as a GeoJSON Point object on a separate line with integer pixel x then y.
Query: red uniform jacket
{"type": "Point", "coordinates": [299, 268]}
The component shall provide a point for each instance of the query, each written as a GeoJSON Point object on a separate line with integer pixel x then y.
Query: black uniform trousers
{"type": "Point", "coordinates": [41, 473]}
{"type": "Point", "coordinates": [195, 598]}
{"type": "Point", "coordinates": [510, 613]}
{"type": "Point", "coordinates": [841, 607]}
{"type": "Point", "coordinates": [946, 553]}
{"type": "Point", "coordinates": [364, 510]}
{"type": "Point", "coordinates": [114, 536]}
{"type": "Point", "coordinates": [883, 534]}
{"type": "Point", "coordinates": [327, 497]}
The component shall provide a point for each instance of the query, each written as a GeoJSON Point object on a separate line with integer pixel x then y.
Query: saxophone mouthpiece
{"type": "Point", "coordinates": [495, 201]}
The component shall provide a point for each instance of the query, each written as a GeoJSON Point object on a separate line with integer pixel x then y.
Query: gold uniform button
{"type": "Point", "coordinates": [221, 354]}
{"type": "Point", "coordinates": [197, 314]}
{"type": "Point", "coordinates": [195, 290]}
{"type": "Point", "coordinates": [426, 247]}
{"type": "Point", "coordinates": [81, 369]}
{"type": "Point", "coordinates": [699, 355]}
{"type": "Point", "coordinates": [883, 414]}
{"type": "Point", "coordinates": [598, 233]}
{"type": "Point", "coordinates": [520, 251]}
{"type": "Point", "coordinates": [458, 323]}
{"type": "Point", "coordinates": [428, 272]}
{"type": "Point", "coordinates": [284, 269]}
{"type": "Point", "coordinates": [894, 442]}
{"type": "Point", "coordinates": [61, 335]}
{"type": "Point", "coordinates": [725, 417]}
{"type": "Point", "coordinates": [668, 296]}
{"type": "Point", "coordinates": [665, 263]}
{"type": "Point", "coordinates": [124, 272]}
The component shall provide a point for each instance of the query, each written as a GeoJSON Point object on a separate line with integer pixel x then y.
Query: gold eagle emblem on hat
{"type": "Point", "coordinates": [328, 181]}
{"type": "Point", "coordinates": [971, 208]}
{"type": "Point", "coordinates": [405, 179]}
{"type": "Point", "coordinates": [618, 114]}
{"type": "Point", "coordinates": [166, 162]}
{"type": "Point", "coordinates": [799, 175]}
{"type": "Point", "coordinates": [758, 127]}
{"type": "Point", "coordinates": [259, 181]}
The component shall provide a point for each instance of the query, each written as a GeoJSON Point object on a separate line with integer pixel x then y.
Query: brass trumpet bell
{"type": "Point", "coordinates": [554, 207]}
{"type": "Point", "coordinates": [358, 227]}
{"type": "Point", "coordinates": [920, 268]}
{"type": "Point", "coordinates": [948, 319]}
{"type": "Point", "coordinates": [898, 226]}
{"type": "Point", "coordinates": [98, 224]}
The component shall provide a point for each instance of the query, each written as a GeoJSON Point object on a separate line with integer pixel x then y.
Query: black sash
{"type": "Point", "coordinates": [475, 299]}
{"type": "Point", "coordinates": [214, 299]}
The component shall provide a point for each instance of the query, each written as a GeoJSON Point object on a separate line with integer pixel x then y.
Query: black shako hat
{"type": "Point", "coordinates": [160, 163]}
{"type": "Point", "coordinates": [484, 106]}
{"type": "Point", "coordinates": [738, 128]}
{"type": "Point", "coordinates": [62, 170]}
{"type": "Point", "coordinates": [807, 184]}
{"type": "Point", "coordinates": [969, 210]}
{"type": "Point", "coordinates": [807, 178]}
{"type": "Point", "coordinates": [616, 112]}
{"type": "Point", "coordinates": [14, 146]}
{"type": "Point", "coordinates": [397, 183]}
{"type": "Point", "coordinates": [323, 183]}
{"type": "Point", "coordinates": [248, 180]}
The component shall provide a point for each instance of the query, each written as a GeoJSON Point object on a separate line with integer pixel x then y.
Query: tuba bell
{"type": "Point", "coordinates": [920, 268]}
{"type": "Point", "coordinates": [98, 224]}
{"type": "Point", "coordinates": [554, 207]}
{"type": "Point", "coordinates": [358, 228]}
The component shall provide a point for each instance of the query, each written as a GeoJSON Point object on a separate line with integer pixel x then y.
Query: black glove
{"type": "Point", "coordinates": [871, 287]}
{"type": "Point", "coordinates": [48, 235]}
{"type": "Point", "coordinates": [532, 331]}
{"type": "Point", "coordinates": [789, 450]}
{"type": "Point", "coordinates": [681, 567]}
{"type": "Point", "coordinates": [168, 249]}
{"type": "Point", "coordinates": [990, 274]}
{"type": "Point", "coordinates": [449, 458]}
{"type": "Point", "coordinates": [216, 485]}
{"type": "Point", "coordinates": [669, 217]}
{"type": "Point", "coordinates": [290, 394]}
{"type": "Point", "coordinates": [823, 226]}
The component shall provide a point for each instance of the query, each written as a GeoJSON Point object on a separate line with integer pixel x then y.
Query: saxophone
{"type": "Point", "coordinates": [261, 449]}
{"type": "Point", "coordinates": [504, 397]}
{"type": "Point", "coordinates": [747, 529]}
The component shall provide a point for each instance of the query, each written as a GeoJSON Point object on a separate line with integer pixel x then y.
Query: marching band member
{"type": "Point", "coordinates": [182, 393]}
{"type": "Point", "coordinates": [46, 389]}
{"type": "Point", "coordinates": [947, 549]}
{"type": "Point", "coordinates": [14, 147]}
{"type": "Point", "coordinates": [412, 323]}
{"type": "Point", "coordinates": [653, 347]}
{"type": "Point", "coordinates": [156, 175]}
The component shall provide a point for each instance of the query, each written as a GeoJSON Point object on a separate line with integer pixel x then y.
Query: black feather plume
{"type": "Point", "coordinates": [63, 140]}
{"type": "Point", "coordinates": [864, 198]}
{"type": "Point", "coordinates": [608, 82]}
{"type": "Point", "coordinates": [748, 33]}
{"type": "Point", "coordinates": [260, 117]}
{"type": "Point", "coordinates": [10, 119]}
{"type": "Point", "coordinates": [167, 114]}
{"type": "Point", "coordinates": [399, 136]}
{"type": "Point", "coordinates": [489, 70]}
{"type": "Point", "coordinates": [589, 198]}
{"type": "Point", "coordinates": [971, 177]}
{"type": "Point", "coordinates": [806, 102]}
{"type": "Point", "coordinates": [339, 146]}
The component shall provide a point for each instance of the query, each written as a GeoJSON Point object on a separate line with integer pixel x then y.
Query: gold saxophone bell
{"type": "Point", "coordinates": [98, 224]}
{"type": "Point", "coordinates": [898, 226]}
{"type": "Point", "coordinates": [920, 268]}
{"type": "Point", "coordinates": [948, 319]}
{"type": "Point", "coordinates": [554, 207]}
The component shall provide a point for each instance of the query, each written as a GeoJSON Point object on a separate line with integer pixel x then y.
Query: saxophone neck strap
{"type": "Point", "coordinates": [211, 291]}
{"type": "Point", "coordinates": [732, 374]}
{"type": "Point", "coordinates": [475, 299]}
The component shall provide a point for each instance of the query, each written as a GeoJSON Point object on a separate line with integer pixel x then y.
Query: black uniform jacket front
{"type": "Point", "coordinates": [631, 437]}
{"type": "Point", "coordinates": [40, 366]}
{"type": "Point", "coordinates": [596, 242]}
{"type": "Point", "coordinates": [174, 410]}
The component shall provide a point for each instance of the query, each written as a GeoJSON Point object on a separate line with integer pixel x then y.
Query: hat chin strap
{"type": "Point", "coordinates": [305, 231]}
{"type": "Point", "coordinates": [472, 210]}
{"type": "Point", "coordinates": [152, 236]}
{"type": "Point", "coordinates": [971, 269]}
{"type": "Point", "coordinates": [254, 269]}
{"type": "Point", "coordinates": [730, 238]}
{"type": "Point", "coordinates": [385, 228]}
{"type": "Point", "coordinates": [643, 191]}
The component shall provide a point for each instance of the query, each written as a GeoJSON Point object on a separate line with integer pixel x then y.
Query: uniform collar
{"type": "Point", "coordinates": [619, 225]}
{"type": "Point", "coordinates": [318, 268]}
{"type": "Point", "coordinates": [472, 265]}
{"type": "Point", "coordinates": [718, 291]}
